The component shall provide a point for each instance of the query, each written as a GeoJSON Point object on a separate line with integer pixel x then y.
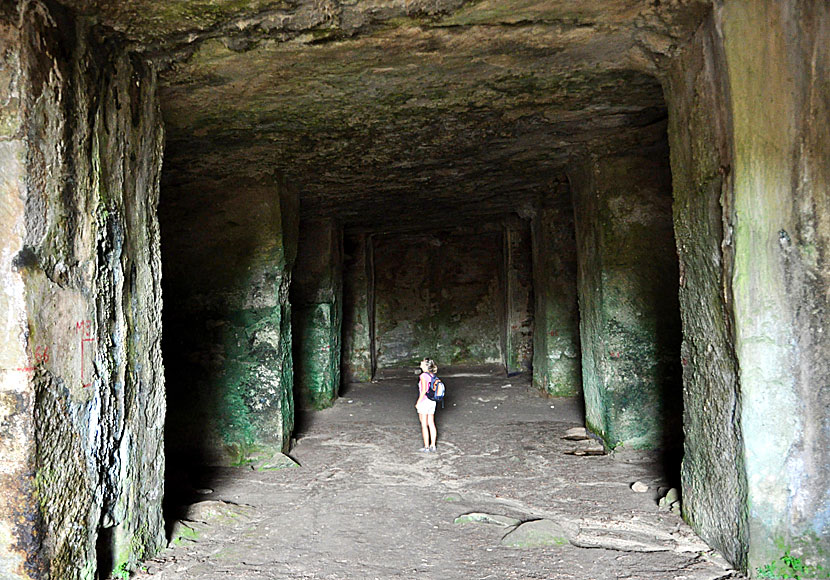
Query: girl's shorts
{"type": "Point", "coordinates": [425, 407]}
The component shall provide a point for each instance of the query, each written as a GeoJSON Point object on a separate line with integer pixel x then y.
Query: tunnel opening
{"type": "Point", "coordinates": [518, 222]}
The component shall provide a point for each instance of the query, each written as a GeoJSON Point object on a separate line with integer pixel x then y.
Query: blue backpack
{"type": "Point", "coordinates": [436, 389]}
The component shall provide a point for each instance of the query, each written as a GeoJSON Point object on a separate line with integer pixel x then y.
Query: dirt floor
{"type": "Point", "coordinates": [365, 504]}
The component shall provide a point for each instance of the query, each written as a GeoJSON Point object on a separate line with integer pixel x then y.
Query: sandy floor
{"type": "Point", "coordinates": [365, 504]}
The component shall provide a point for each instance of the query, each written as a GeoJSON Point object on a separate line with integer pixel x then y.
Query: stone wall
{"type": "Point", "coordinates": [700, 133]}
{"type": "Point", "coordinates": [440, 295]}
{"type": "Point", "coordinates": [82, 392]}
{"type": "Point", "coordinates": [778, 58]}
{"type": "Point", "coordinates": [317, 300]}
{"type": "Point", "coordinates": [556, 349]}
{"type": "Point", "coordinates": [229, 246]}
{"type": "Point", "coordinates": [627, 284]}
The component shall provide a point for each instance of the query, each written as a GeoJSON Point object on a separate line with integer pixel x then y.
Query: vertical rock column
{"type": "Point", "coordinates": [751, 151]}
{"type": "Point", "coordinates": [518, 352]}
{"type": "Point", "coordinates": [358, 347]}
{"type": "Point", "coordinates": [229, 247]}
{"type": "Point", "coordinates": [627, 284]}
{"type": "Point", "coordinates": [82, 391]}
{"type": "Point", "coordinates": [316, 296]}
{"type": "Point", "coordinates": [700, 133]}
{"type": "Point", "coordinates": [19, 543]}
{"type": "Point", "coordinates": [778, 58]}
{"type": "Point", "coordinates": [556, 358]}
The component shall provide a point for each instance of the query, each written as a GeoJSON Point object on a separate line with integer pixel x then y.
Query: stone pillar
{"type": "Point", "coordinates": [556, 355]}
{"type": "Point", "coordinates": [627, 285]}
{"type": "Point", "coordinates": [358, 347]}
{"type": "Point", "coordinates": [81, 378]}
{"type": "Point", "coordinates": [316, 296]}
{"type": "Point", "coordinates": [778, 59]}
{"type": "Point", "coordinates": [228, 318]}
{"type": "Point", "coordinates": [518, 352]}
{"type": "Point", "coordinates": [713, 474]}
{"type": "Point", "coordinates": [755, 94]}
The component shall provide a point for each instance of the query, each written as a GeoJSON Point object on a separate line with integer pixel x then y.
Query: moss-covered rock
{"type": "Point", "coordinates": [700, 133]}
{"type": "Point", "coordinates": [317, 296]}
{"type": "Point", "coordinates": [229, 319]}
{"type": "Point", "coordinates": [627, 283]}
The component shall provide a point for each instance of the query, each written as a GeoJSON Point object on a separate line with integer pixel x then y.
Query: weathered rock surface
{"type": "Point", "coordinates": [317, 312]}
{"type": "Point", "coordinates": [358, 310]}
{"type": "Point", "coordinates": [439, 294]}
{"type": "Point", "coordinates": [556, 350]}
{"type": "Point", "coordinates": [749, 161]}
{"type": "Point", "coordinates": [228, 321]}
{"type": "Point", "coordinates": [384, 116]}
{"type": "Point", "coordinates": [371, 112]}
{"type": "Point", "coordinates": [82, 392]}
{"type": "Point", "coordinates": [701, 147]}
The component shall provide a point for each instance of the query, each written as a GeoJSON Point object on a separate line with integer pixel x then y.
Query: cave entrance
{"type": "Point", "coordinates": [303, 217]}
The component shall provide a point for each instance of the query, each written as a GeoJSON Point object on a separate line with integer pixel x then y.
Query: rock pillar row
{"type": "Point", "coordinates": [81, 378]}
{"type": "Point", "coordinates": [627, 286]}
{"type": "Point", "coordinates": [762, 167]}
{"type": "Point", "coordinates": [358, 286]}
{"type": "Point", "coordinates": [317, 299]}
{"type": "Point", "coordinates": [518, 350]}
{"type": "Point", "coordinates": [556, 354]}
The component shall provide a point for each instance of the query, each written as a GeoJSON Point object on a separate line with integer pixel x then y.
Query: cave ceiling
{"type": "Point", "coordinates": [379, 111]}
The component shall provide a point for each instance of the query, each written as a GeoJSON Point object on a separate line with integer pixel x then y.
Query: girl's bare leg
{"type": "Point", "coordinates": [424, 428]}
{"type": "Point", "coordinates": [433, 432]}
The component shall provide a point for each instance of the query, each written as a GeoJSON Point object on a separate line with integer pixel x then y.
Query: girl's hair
{"type": "Point", "coordinates": [431, 366]}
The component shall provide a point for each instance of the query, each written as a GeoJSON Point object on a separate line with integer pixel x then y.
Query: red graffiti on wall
{"type": "Point", "coordinates": [40, 355]}
{"type": "Point", "coordinates": [84, 329]}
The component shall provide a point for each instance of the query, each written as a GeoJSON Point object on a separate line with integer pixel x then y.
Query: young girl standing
{"type": "Point", "coordinates": [425, 406]}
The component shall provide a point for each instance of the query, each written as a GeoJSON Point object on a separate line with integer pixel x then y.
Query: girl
{"type": "Point", "coordinates": [425, 406]}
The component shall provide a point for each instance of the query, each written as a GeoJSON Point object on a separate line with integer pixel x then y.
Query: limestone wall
{"type": "Point", "coordinates": [627, 285]}
{"type": "Point", "coordinates": [778, 59]}
{"type": "Point", "coordinates": [82, 391]}
{"type": "Point", "coordinates": [440, 295]}
{"type": "Point", "coordinates": [518, 268]}
{"type": "Point", "coordinates": [750, 139]}
{"type": "Point", "coordinates": [357, 355]}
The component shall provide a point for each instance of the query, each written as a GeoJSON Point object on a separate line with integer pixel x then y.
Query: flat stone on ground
{"type": "Point", "coordinates": [480, 518]}
{"type": "Point", "coordinates": [537, 534]}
